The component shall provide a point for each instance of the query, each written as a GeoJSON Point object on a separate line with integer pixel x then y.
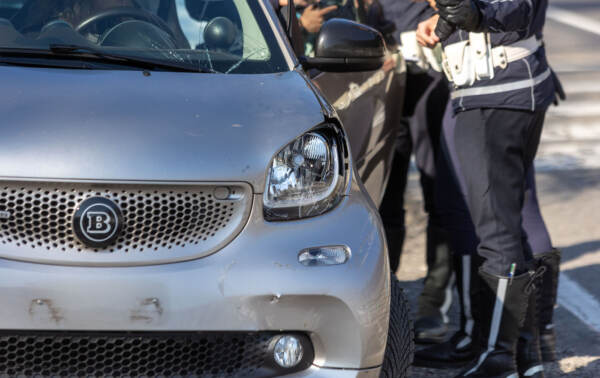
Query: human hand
{"type": "Point", "coordinates": [426, 32]}
{"type": "Point", "coordinates": [389, 64]}
{"type": "Point", "coordinates": [312, 18]}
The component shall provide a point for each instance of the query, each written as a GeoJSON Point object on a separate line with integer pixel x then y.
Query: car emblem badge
{"type": "Point", "coordinates": [97, 222]}
{"type": "Point", "coordinates": [5, 215]}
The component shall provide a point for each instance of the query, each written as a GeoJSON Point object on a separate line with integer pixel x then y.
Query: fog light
{"type": "Point", "coordinates": [288, 351]}
{"type": "Point", "coordinates": [332, 255]}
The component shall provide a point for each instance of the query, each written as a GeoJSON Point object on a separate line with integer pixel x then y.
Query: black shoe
{"type": "Point", "coordinates": [453, 353]}
{"type": "Point", "coordinates": [548, 345]}
{"type": "Point", "coordinates": [504, 302]}
{"type": "Point", "coordinates": [430, 329]}
{"type": "Point", "coordinates": [461, 347]}
{"type": "Point", "coordinates": [546, 302]}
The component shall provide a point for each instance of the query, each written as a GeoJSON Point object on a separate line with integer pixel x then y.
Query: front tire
{"type": "Point", "coordinates": [400, 348]}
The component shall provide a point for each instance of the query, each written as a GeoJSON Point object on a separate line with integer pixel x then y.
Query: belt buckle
{"type": "Point", "coordinates": [502, 58]}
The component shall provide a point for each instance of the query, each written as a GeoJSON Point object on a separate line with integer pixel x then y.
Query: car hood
{"type": "Point", "coordinates": [123, 125]}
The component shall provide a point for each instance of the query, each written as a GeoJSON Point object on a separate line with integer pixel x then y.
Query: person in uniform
{"type": "Point", "coordinates": [450, 200]}
{"type": "Point", "coordinates": [418, 134]}
{"type": "Point", "coordinates": [502, 87]}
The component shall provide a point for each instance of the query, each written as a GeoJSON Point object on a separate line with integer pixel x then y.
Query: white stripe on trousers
{"type": "Point", "coordinates": [447, 298]}
{"type": "Point", "coordinates": [496, 321]}
{"type": "Point", "coordinates": [466, 290]}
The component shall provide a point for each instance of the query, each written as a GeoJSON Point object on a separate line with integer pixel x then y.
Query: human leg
{"type": "Point", "coordinates": [392, 207]}
{"type": "Point", "coordinates": [436, 297]}
{"type": "Point", "coordinates": [495, 148]}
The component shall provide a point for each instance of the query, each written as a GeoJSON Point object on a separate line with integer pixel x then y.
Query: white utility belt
{"type": "Point", "coordinates": [474, 59]}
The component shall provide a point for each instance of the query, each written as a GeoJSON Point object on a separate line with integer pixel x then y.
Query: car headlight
{"type": "Point", "coordinates": [308, 176]}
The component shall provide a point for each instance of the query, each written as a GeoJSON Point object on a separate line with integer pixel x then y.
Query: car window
{"type": "Point", "coordinates": [225, 36]}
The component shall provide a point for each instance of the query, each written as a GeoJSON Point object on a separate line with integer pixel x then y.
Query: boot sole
{"type": "Point", "coordinates": [440, 364]}
{"type": "Point", "coordinates": [431, 339]}
{"type": "Point", "coordinates": [536, 371]}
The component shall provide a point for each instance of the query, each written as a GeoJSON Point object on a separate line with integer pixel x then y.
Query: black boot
{"type": "Point", "coordinates": [546, 302]}
{"type": "Point", "coordinates": [431, 325]}
{"type": "Point", "coordinates": [529, 358]}
{"type": "Point", "coordinates": [461, 348]}
{"type": "Point", "coordinates": [504, 302]}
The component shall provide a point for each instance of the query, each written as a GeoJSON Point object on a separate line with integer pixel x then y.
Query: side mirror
{"type": "Point", "coordinates": [346, 46]}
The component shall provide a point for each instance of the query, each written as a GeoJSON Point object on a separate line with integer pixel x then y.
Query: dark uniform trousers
{"type": "Point", "coordinates": [497, 146]}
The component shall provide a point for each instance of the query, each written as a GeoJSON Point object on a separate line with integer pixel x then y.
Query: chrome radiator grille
{"type": "Point", "coordinates": [161, 222]}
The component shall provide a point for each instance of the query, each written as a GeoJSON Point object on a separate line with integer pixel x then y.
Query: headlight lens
{"type": "Point", "coordinates": [307, 177]}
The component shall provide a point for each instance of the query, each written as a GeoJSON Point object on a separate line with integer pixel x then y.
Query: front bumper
{"type": "Point", "coordinates": [253, 284]}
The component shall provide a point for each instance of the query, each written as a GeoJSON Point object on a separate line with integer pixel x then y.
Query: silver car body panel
{"type": "Point", "coordinates": [254, 283]}
{"type": "Point", "coordinates": [122, 125]}
{"type": "Point", "coordinates": [337, 373]}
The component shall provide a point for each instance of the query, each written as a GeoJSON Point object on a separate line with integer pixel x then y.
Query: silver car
{"type": "Point", "coordinates": [180, 196]}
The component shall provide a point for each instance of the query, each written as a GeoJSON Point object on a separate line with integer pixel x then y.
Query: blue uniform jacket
{"type": "Point", "coordinates": [405, 14]}
{"type": "Point", "coordinates": [526, 84]}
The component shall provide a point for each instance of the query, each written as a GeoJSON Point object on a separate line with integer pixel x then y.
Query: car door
{"type": "Point", "coordinates": [369, 105]}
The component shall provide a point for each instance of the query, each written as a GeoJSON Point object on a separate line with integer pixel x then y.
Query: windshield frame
{"type": "Point", "coordinates": [280, 35]}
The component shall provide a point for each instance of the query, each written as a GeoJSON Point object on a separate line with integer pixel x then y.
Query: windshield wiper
{"type": "Point", "coordinates": [82, 51]}
{"type": "Point", "coordinates": [89, 52]}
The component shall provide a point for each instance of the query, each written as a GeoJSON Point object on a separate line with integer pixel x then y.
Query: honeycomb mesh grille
{"type": "Point", "coordinates": [156, 217]}
{"type": "Point", "coordinates": [187, 354]}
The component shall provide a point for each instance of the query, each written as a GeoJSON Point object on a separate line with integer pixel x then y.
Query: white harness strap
{"type": "Point", "coordinates": [411, 50]}
{"type": "Point", "coordinates": [468, 61]}
{"type": "Point", "coordinates": [423, 57]}
{"type": "Point", "coordinates": [502, 55]}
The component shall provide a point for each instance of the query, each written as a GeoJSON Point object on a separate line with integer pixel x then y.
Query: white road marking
{"type": "Point", "coordinates": [572, 87]}
{"type": "Point", "coordinates": [585, 260]}
{"type": "Point", "coordinates": [568, 144]}
{"type": "Point", "coordinates": [574, 363]}
{"type": "Point", "coordinates": [567, 156]}
{"type": "Point", "coordinates": [573, 19]}
{"type": "Point", "coordinates": [571, 131]}
{"type": "Point", "coordinates": [579, 302]}
{"type": "Point", "coordinates": [576, 109]}
{"type": "Point", "coordinates": [575, 69]}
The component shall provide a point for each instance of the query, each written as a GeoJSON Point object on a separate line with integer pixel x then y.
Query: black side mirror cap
{"type": "Point", "coordinates": [346, 46]}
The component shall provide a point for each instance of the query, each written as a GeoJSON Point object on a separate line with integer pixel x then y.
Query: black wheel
{"type": "Point", "coordinates": [400, 343]}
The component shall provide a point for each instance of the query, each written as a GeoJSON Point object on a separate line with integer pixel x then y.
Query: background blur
{"type": "Point", "coordinates": [568, 177]}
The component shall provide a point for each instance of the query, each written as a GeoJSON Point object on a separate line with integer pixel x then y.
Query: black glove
{"type": "Point", "coordinates": [444, 29]}
{"type": "Point", "coordinates": [464, 14]}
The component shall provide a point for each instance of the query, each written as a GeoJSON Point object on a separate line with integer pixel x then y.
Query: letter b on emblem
{"type": "Point", "coordinates": [98, 222]}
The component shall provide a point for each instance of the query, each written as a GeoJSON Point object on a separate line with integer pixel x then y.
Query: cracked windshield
{"type": "Point", "coordinates": [209, 36]}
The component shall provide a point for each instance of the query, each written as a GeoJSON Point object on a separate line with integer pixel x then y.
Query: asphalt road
{"type": "Point", "coordinates": [568, 178]}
